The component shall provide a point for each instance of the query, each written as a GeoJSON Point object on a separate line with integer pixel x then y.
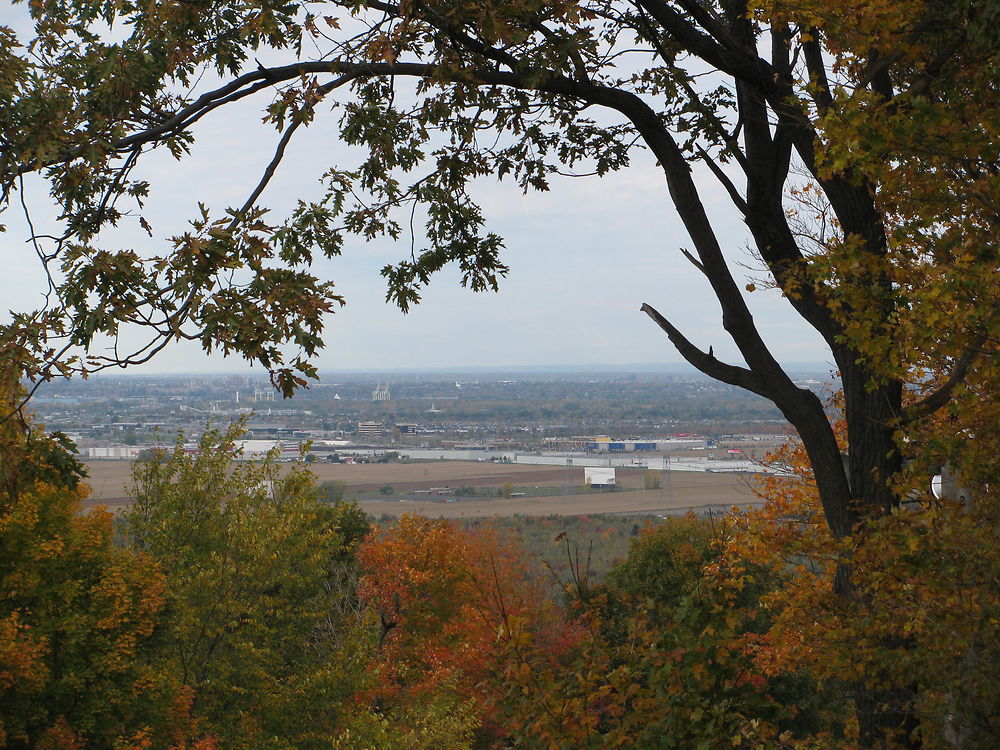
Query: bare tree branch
{"type": "Point", "coordinates": [706, 361]}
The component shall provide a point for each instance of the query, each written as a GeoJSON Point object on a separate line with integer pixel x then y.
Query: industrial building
{"type": "Point", "coordinates": [605, 444]}
{"type": "Point", "coordinates": [370, 429]}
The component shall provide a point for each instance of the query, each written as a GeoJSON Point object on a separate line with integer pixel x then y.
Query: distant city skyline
{"type": "Point", "coordinates": [637, 368]}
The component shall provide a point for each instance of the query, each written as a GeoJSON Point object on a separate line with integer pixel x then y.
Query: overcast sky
{"type": "Point", "coordinates": [583, 258]}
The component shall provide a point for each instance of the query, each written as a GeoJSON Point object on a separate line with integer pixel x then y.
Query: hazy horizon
{"type": "Point", "coordinates": [811, 367]}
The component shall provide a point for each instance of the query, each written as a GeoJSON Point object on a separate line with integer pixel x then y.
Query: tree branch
{"type": "Point", "coordinates": [706, 362]}
{"type": "Point", "coordinates": [279, 152]}
{"type": "Point", "coordinates": [694, 261]}
{"type": "Point", "coordinates": [938, 398]}
{"type": "Point", "coordinates": [722, 177]}
{"type": "Point", "coordinates": [720, 44]}
{"type": "Point", "coordinates": [820, 89]}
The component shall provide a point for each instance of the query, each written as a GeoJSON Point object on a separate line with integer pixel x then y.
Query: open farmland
{"type": "Point", "coordinates": [681, 490]}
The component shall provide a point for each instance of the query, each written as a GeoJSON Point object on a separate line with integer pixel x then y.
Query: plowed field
{"type": "Point", "coordinates": [109, 481]}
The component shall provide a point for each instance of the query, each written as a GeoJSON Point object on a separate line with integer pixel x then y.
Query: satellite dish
{"type": "Point", "coordinates": [936, 486]}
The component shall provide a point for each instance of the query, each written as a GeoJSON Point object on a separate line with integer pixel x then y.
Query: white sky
{"type": "Point", "coordinates": [583, 258]}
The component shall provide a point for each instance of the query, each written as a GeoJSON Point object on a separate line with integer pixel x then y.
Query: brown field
{"type": "Point", "coordinates": [109, 481]}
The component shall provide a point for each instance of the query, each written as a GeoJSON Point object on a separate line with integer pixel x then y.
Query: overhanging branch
{"type": "Point", "coordinates": [706, 361]}
{"type": "Point", "coordinates": [935, 400]}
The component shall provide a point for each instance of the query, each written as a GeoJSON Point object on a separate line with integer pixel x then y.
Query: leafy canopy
{"type": "Point", "coordinates": [889, 114]}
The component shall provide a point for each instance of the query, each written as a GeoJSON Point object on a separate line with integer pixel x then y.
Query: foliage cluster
{"type": "Point", "coordinates": [78, 613]}
{"type": "Point", "coordinates": [231, 607]}
{"type": "Point", "coordinates": [926, 619]}
{"type": "Point", "coordinates": [260, 630]}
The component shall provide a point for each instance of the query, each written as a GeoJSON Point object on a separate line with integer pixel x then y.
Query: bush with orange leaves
{"type": "Point", "coordinates": [925, 609]}
{"type": "Point", "coordinates": [446, 601]}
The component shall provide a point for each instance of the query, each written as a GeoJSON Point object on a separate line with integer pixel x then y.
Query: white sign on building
{"type": "Point", "coordinates": [598, 476]}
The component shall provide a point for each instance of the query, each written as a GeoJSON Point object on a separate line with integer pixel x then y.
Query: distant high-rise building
{"type": "Point", "coordinates": [369, 429]}
{"type": "Point", "coordinates": [381, 393]}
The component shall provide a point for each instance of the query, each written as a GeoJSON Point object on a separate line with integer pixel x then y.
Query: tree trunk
{"type": "Point", "coordinates": [885, 714]}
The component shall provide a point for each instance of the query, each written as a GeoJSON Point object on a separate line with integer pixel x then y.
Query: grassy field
{"type": "Point", "coordinates": [681, 490]}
